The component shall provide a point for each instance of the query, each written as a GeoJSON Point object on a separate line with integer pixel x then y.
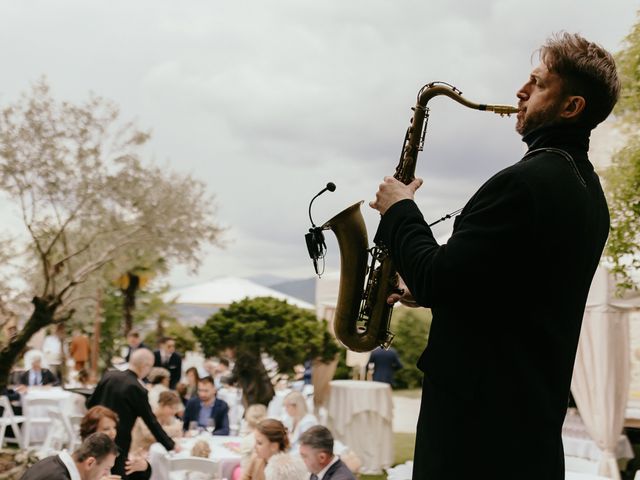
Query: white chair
{"type": "Point", "coordinates": [36, 411]}
{"type": "Point", "coordinates": [8, 419]}
{"type": "Point", "coordinates": [61, 434]}
{"type": "Point", "coordinates": [194, 464]}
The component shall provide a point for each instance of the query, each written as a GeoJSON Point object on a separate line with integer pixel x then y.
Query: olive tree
{"type": "Point", "coordinates": [251, 327]}
{"type": "Point", "coordinates": [89, 206]}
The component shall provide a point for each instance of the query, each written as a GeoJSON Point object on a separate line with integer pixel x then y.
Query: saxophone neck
{"type": "Point", "coordinates": [433, 89]}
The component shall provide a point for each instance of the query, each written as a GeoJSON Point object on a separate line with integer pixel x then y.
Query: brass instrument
{"type": "Point", "coordinates": [362, 315]}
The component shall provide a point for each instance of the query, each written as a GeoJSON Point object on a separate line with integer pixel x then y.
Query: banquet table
{"type": "Point", "coordinates": [224, 450]}
{"type": "Point", "coordinates": [68, 403]}
{"type": "Point", "coordinates": [360, 415]}
{"type": "Point", "coordinates": [578, 443]}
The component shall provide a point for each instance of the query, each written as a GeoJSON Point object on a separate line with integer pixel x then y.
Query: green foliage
{"type": "Point", "coordinates": [151, 310]}
{"type": "Point", "coordinates": [185, 339]}
{"type": "Point", "coordinates": [623, 177]}
{"type": "Point", "coordinates": [289, 334]}
{"type": "Point", "coordinates": [411, 327]}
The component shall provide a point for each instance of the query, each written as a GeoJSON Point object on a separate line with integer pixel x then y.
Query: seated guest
{"type": "Point", "coordinates": [169, 404]}
{"type": "Point", "coordinates": [36, 375]}
{"type": "Point", "coordinates": [272, 443]}
{"type": "Point", "coordinates": [316, 450]}
{"type": "Point", "coordinates": [158, 382]}
{"type": "Point", "coordinates": [207, 406]}
{"type": "Point", "coordinates": [104, 420]}
{"type": "Point", "coordinates": [297, 418]}
{"type": "Point", "coordinates": [92, 460]}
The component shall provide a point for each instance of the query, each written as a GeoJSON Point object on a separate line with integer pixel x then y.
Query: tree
{"type": "Point", "coordinates": [412, 331]}
{"type": "Point", "coordinates": [623, 177]}
{"type": "Point", "coordinates": [252, 327]}
{"type": "Point", "coordinates": [89, 205]}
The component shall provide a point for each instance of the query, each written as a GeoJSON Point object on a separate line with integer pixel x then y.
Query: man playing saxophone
{"type": "Point", "coordinates": [508, 289]}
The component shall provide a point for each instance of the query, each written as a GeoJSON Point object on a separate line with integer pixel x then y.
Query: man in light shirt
{"type": "Point", "coordinates": [316, 450]}
{"type": "Point", "coordinates": [91, 461]}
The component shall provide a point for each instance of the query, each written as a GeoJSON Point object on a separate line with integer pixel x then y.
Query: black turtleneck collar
{"type": "Point", "coordinates": [568, 137]}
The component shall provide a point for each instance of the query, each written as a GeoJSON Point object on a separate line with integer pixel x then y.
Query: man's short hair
{"type": "Point", "coordinates": [97, 445]}
{"type": "Point", "coordinates": [164, 340]}
{"type": "Point", "coordinates": [134, 334]}
{"type": "Point", "coordinates": [587, 70]}
{"type": "Point", "coordinates": [207, 379]}
{"type": "Point", "coordinates": [318, 438]}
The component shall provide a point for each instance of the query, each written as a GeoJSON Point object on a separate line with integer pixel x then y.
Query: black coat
{"type": "Point", "coordinates": [48, 377]}
{"type": "Point", "coordinates": [50, 468]}
{"type": "Point", "coordinates": [123, 393]}
{"type": "Point", "coordinates": [174, 365]}
{"type": "Point", "coordinates": [507, 293]}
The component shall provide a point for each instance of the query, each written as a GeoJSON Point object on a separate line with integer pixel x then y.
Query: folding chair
{"type": "Point", "coordinates": [36, 413]}
{"type": "Point", "coordinates": [194, 464]}
{"type": "Point", "coordinates": [8, 419]}
{"type": "Point", "coordinates": [60, 434]}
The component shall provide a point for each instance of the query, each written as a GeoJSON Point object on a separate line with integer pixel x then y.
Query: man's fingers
{"type": "Point", "coordinates": [415, 184]}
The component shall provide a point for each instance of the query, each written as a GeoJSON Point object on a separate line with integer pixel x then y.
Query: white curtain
{"type": "Point", "coordinates": [600, 383]}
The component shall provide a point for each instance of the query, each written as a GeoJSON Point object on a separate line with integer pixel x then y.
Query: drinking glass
{"type": "Point", "coordinates": [211, 425]}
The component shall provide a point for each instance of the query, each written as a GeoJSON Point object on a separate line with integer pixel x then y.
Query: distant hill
{"type": "Point", "coordinates": [304, 289]}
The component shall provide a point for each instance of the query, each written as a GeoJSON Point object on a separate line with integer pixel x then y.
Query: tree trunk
{"type": "Point", "coordinates": [43, 315]}
{"type": "Point", "coordinates": [321, 374]}
{"type": "Point", "coordinates": [252, 377]}
{"type": "Point", "coordinates": [129, 301]}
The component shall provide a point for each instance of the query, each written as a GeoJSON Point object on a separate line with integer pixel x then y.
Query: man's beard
{"type": "Point", "coordinates": [528, 123]}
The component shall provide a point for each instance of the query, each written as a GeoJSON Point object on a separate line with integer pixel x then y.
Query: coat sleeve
{"type": "Point", "coordinates": [222, 418]}
{"type": "Point", "coordinates": [486, 243]}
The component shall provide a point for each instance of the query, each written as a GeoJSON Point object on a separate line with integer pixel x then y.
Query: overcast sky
{"type": "Point", "coordinates": [267, 101]}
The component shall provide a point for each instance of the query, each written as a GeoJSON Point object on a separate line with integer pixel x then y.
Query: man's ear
{"type": "Point", "coordinates": [89, 462]}
{"type": "Point", "coordinates": [574, 105]}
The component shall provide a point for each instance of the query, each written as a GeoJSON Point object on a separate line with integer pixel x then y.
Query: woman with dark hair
{"type": "Point", "coordinates": [104, 420]}
{"type": "Point", "coordinates": [272, 442]}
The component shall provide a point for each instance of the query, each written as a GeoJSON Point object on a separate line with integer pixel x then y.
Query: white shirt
{"type": "Point", "coordinates": [322, 472]}
{"type": "Point", "coordinates": [70, 464]}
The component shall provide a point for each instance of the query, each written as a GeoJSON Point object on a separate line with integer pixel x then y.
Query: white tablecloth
{"type": "Point", "coordinates": [578, 443]}
{"type": "Point", "coordinates": [69, 403]}
{"type": "Point", "coordinates": [223, 450]}
{"type": "Point", "coordinates": [360, 414]}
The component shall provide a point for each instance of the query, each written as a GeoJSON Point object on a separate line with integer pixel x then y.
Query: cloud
{"type": "Point", "coordinates": [267, 101]}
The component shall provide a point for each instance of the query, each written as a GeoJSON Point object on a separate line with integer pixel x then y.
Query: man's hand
{"type": "Point", "coordinates": [405, 298]}
{"type": "Point", "coordinates": [392, 191]}
{"type": "Point", "coordinates": [135, 463]}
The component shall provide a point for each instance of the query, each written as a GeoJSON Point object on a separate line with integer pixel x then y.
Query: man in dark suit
{"type": "Point", "coordinates": [124, 393]}
{"type": "Point", "coordinates": [508, 289]}
{"type": "Point", "coordinates": [37, 375]}
{"type": "Point", "coordinates": [134, 342]}
{"type": "Point", "coordinates": [316, 450]}
{"type": "Point", "coordinates": [385, 363]}
{"type": "Point", "coordinates": [205, 406]}
{"type": "Point", "coordinates": [167, 357]}
{"type": "Point", "coordinates": [91, 461]}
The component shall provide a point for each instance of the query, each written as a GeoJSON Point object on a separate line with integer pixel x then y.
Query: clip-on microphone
{"type": "Point", "coordinates": [315, 239]}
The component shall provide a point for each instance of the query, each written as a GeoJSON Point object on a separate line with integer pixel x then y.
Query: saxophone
{"type": "Point", "coordinates": [362, 316]}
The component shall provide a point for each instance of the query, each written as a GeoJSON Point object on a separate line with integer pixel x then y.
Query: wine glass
{"type": "Point", "coordinates": [211, 425]}
{"type": "Point", "coordinates": [193, 428]}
